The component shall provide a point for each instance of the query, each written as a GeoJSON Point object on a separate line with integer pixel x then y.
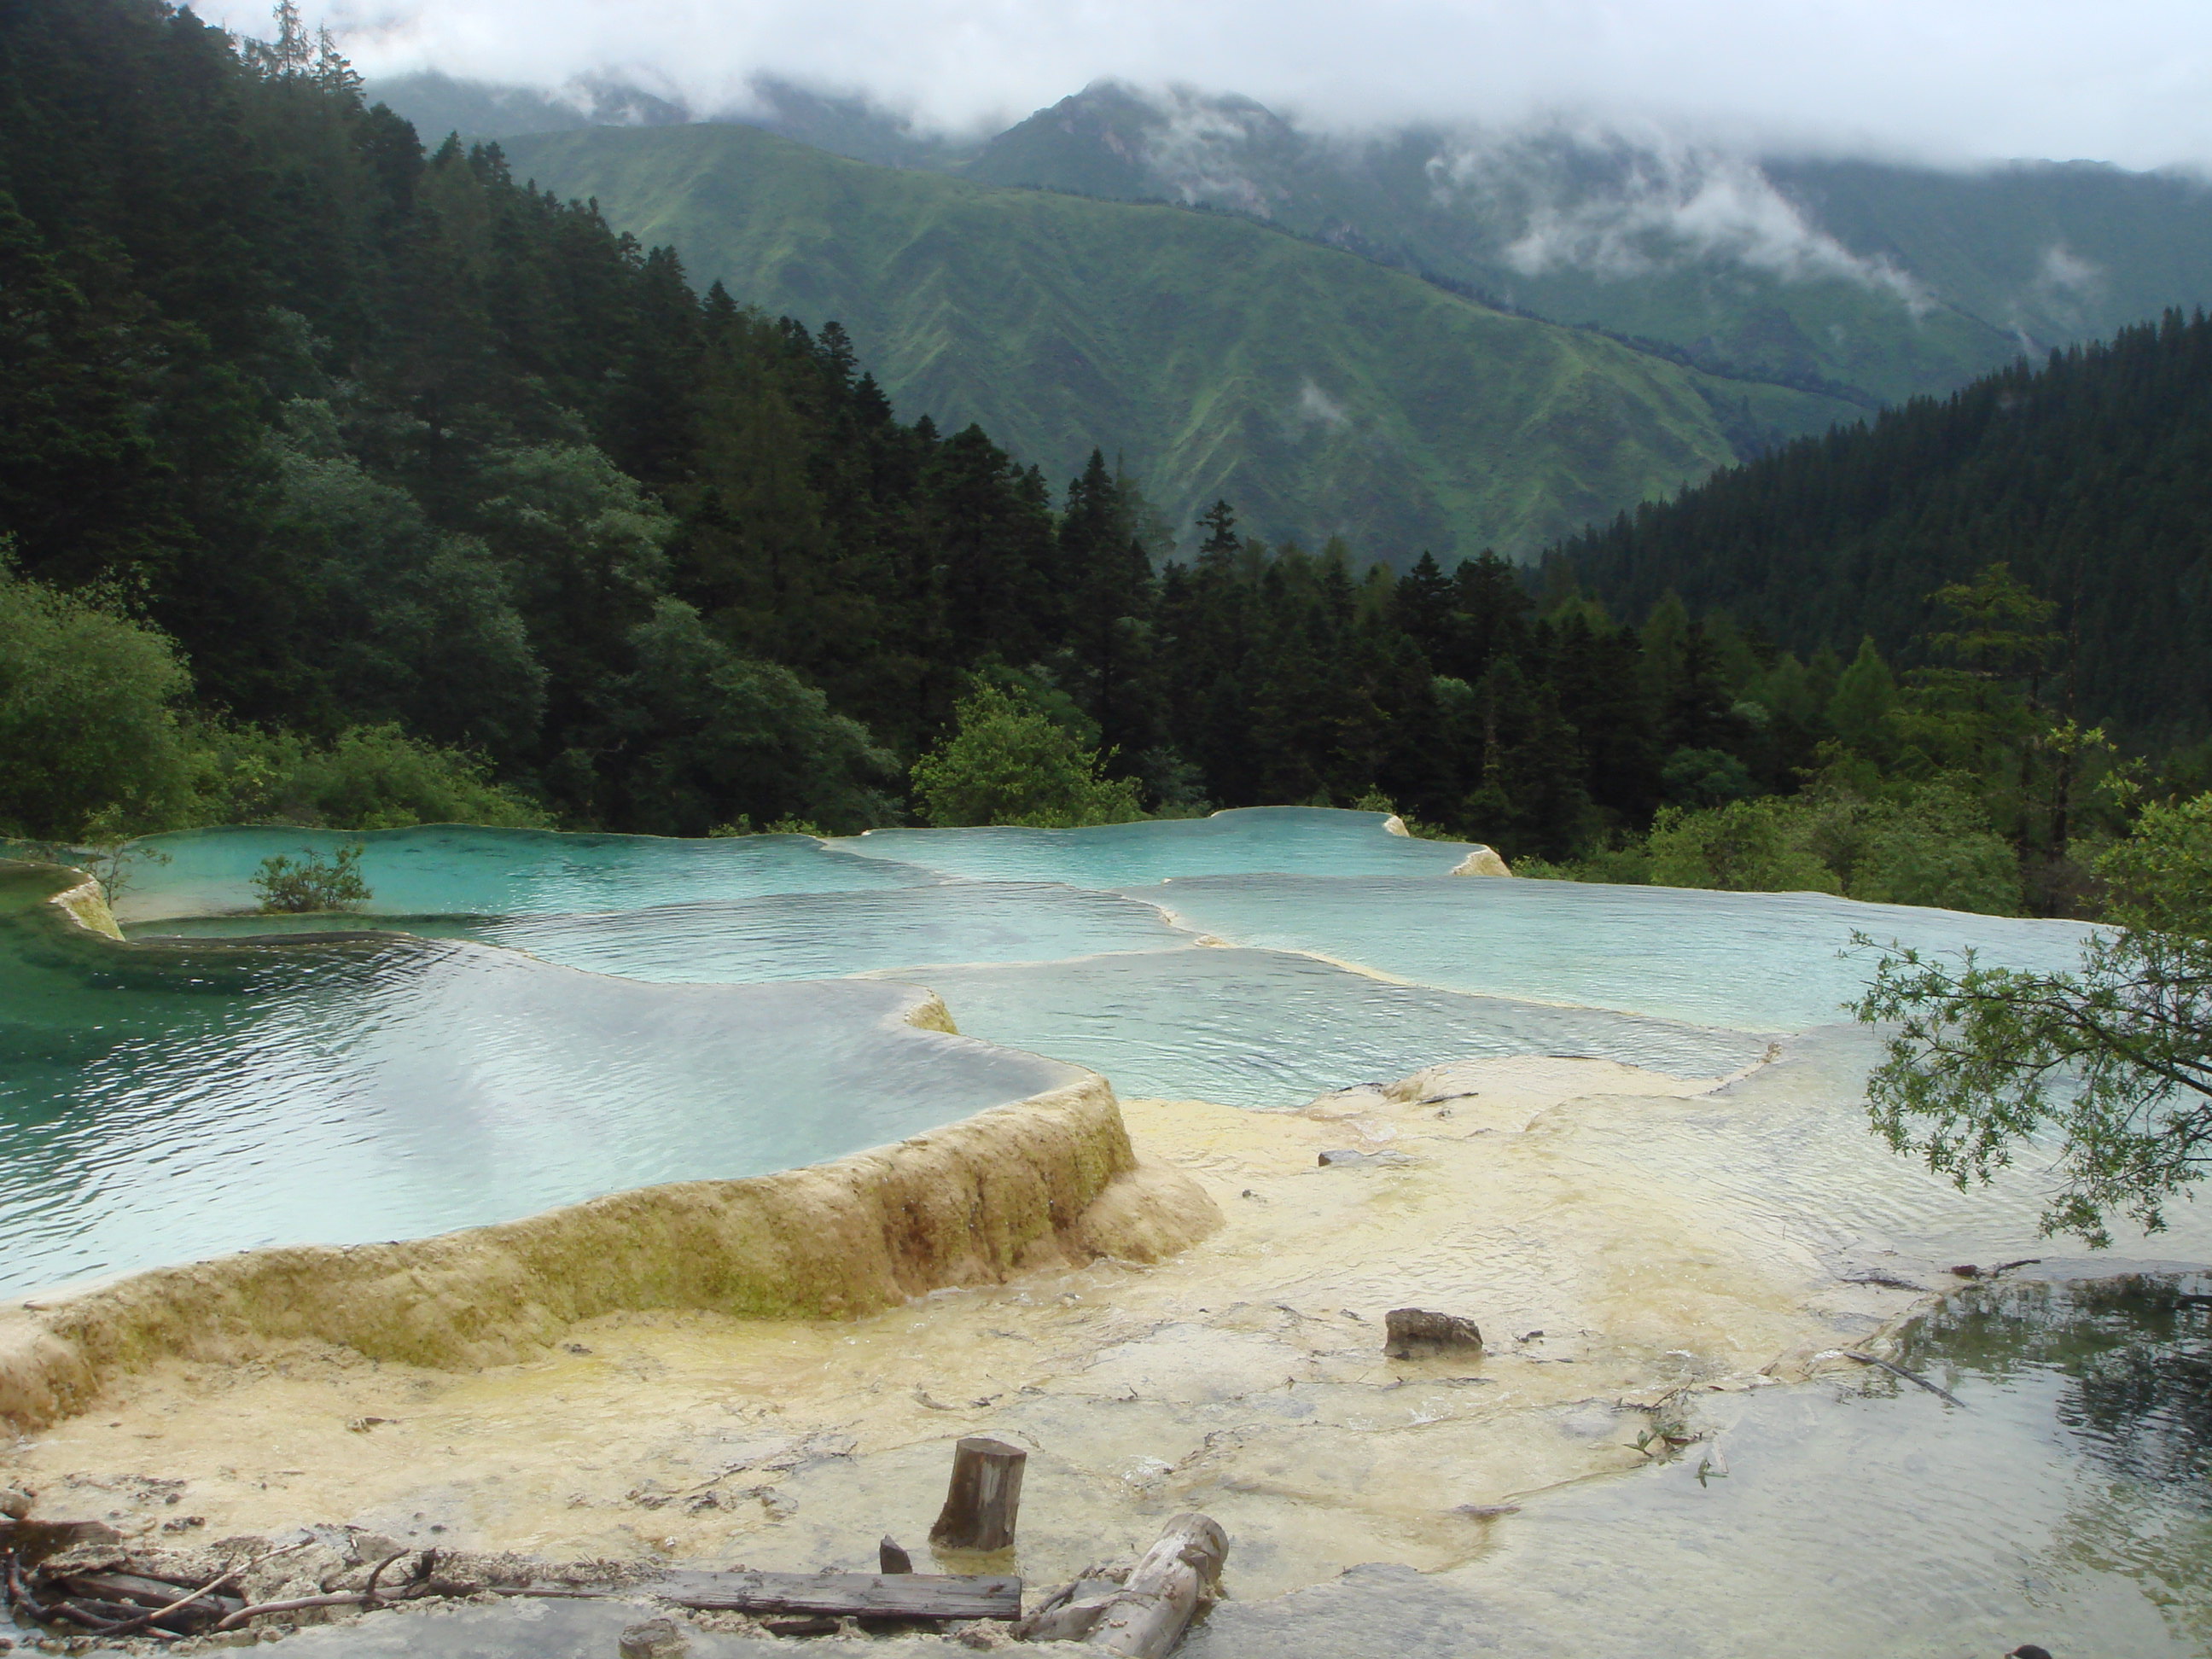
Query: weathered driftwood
{"type": "Point", "coordinates": [95, 1583]}
{"type": "Point", "coordinates": [1419, 1333]}
{"type": "Point", "coordinates": [838, 1594]}
{"type": "Point", "coordinates": [984, 1498]}
{"type": "Point", "coordinates": [1145, 1616]}
{"type": "Point", "coordinates": [1070, 1612]}
{"type": "Point", "coordinates": [890, 1557]}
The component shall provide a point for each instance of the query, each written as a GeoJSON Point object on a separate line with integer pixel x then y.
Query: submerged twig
{"type": "Point", "coordinates": [1899, 1371]}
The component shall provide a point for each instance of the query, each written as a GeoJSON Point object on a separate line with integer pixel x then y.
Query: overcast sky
{"type": "Point", "coordinates": [2126, 81]}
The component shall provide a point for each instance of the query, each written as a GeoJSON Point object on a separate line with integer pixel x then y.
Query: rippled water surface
{"type": "Point", "coordinates": [789, 935]}
{"type": "Point", "coordinates": [159, 1103]}
{"type": "Point", "coordinates": [1298, 839]}
{"type": "Point", "coordinates": [1271, 1029]}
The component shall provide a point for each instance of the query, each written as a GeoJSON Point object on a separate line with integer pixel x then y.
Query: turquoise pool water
{"type": "Point", "coordinates": [786, 936]}
{"type": "Point", "coordinates": [523, 1018]}
{"type": "Point", "coordinates": [1769, 962]}
{"type": "Point", "coordinates": [460, 869]}
{"type": "Point", "coordinates": [161, 1103]}
{"type": "Point", "coordinates": [1295, 840]}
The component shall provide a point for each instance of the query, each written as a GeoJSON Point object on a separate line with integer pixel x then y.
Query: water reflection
{"type": "Point", "coordinates": [2067, 1504]}
{"type": "Point", "coordinates": [2136, 1352]}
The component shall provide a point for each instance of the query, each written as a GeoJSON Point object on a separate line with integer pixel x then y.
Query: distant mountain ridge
{"type": "Point", "coordinates": [1320, 393]}
{"type": "Point", "coordinates": [1869, 280]}
{"type": "Point", "coordinates": [1885, 279]}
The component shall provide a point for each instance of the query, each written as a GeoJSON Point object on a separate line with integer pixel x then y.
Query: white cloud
{"type": "Point", "coordinates": [1197, 149]}
{"type": "Point", "coordinates": [2128, 81]}
{"type": "Point", "coordinates": [1315, 404]}
{"type": "Point", "coordinates": [1621, 207]}
{"type": "Point", "coordinates": [2066, 272]}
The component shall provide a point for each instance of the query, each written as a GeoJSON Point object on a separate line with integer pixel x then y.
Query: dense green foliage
{"type": "Point", "coordinates": [1323, 393]}
{"type": "Point", "coordinates": [2111, 1064]}
{"type": "Point", "coordinates": [1008, 762]}
{"type": "Point", "coordinates": [90, 735]}
{"type": "Point", "coordinates": [429, 480]}
{"type": "Point", "coordinates": [98, 740]}
{"type": "Point", "coordinates": [1964, 784]}
{"type": "Point", "coordinates": [2091, 475]}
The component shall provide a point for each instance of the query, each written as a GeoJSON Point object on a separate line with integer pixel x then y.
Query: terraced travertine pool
{"type": "Point", "coordinates": [519, 1020]}
{"type": "Point", "coordinates": [655, 1010]}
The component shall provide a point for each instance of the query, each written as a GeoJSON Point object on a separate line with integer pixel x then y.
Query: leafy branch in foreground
{"type": "Point", "coordinates": [2112, 1061]}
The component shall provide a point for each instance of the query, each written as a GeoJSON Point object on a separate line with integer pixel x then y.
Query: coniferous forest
{"type": "Point", "coordinates": [351, 482]}
{"type": "Point", "coordinates": [2090, 474]}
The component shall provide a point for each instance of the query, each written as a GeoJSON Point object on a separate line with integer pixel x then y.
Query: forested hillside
{"type": "Point", "coordinates": [395, 454]}
{"type": "Point", "coordinates": [1322, 393]}
{"type": "Point", "coordinates": [2090, 474]}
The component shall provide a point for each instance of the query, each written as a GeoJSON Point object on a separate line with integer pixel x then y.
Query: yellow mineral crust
{"type": "Point", "coordinates": [1049, 1180]}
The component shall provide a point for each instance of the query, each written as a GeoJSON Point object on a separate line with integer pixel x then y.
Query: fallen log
{"type": "Point", "coordinates": [841, 1595]}
{"type": "Point", "coordinates": [1145, 1616]}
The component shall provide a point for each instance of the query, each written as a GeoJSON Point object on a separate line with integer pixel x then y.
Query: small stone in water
{"type": "Point", "coordinates": [656, 1638]}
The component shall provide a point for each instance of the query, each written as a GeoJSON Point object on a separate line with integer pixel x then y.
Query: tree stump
{"type": "Point", "coordinates": [984, 1498]}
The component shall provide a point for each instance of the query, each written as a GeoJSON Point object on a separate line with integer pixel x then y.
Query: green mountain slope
{"type": "Point", "coordinates": [1893, 280]}
{"type": "Point", "coordinates": [1320, 393]}
{"type": "Point", "coordinates": [1876, 280]}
